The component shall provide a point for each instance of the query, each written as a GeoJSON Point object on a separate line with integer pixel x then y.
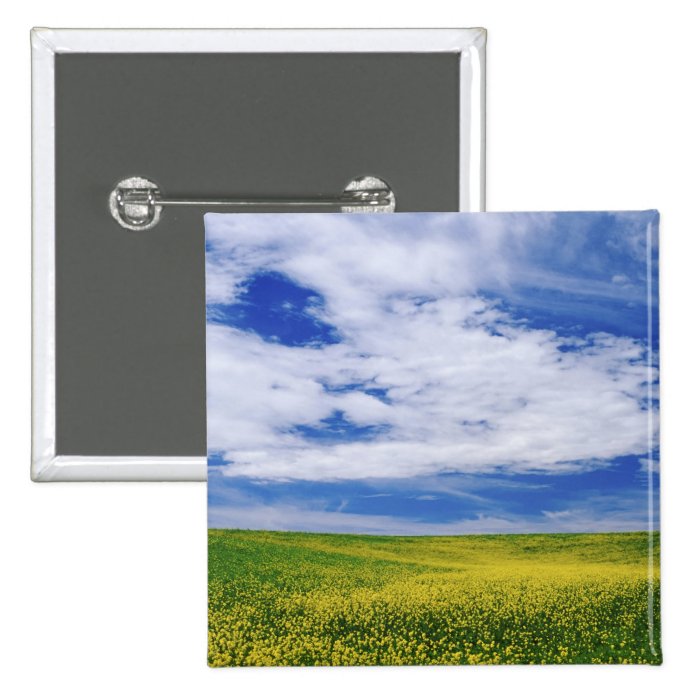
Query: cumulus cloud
{"type": "Point", "coordinates": [432, 372]}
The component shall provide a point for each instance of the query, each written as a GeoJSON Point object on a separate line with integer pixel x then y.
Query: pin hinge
{"type": "Point", "coordinates": [137, 203]}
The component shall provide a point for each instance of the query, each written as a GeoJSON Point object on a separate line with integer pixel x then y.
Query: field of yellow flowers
{"type": "Point", "coordinates": [282, 598]}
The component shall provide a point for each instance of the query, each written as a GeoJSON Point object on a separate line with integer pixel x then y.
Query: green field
{"type": "Point", "coordinates": [282, 598]}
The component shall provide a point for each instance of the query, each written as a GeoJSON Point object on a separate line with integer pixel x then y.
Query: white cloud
{"type": "Point", "coordinates": [295, 518]}
{"type": "Point", "coordinates": [470, 388]}
{"type": "Point", "coordinates": [648, 466]}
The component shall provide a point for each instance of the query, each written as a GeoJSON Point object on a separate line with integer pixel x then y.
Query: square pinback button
{"type": "Point", "coordinates": [138, 133]}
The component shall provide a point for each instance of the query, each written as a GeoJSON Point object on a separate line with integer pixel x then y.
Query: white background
{"type": "Point", "coordinates": [591, 105]}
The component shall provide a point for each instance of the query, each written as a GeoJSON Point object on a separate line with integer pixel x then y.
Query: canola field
{"type": "Point", "coordinates": [296, 599]}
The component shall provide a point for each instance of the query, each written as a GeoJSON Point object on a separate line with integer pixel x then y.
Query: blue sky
{"type": "Point", "coordinates": [432, 373]}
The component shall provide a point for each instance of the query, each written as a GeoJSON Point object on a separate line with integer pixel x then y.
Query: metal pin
{"type": "Point", "coordinates": [136, 203]}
